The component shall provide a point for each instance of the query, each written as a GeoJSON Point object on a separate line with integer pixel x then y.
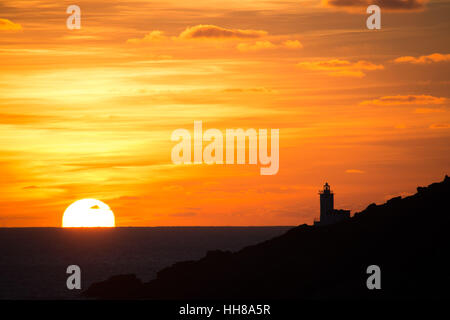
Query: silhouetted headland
{"type": "Point", "coordinates": [406, 237]}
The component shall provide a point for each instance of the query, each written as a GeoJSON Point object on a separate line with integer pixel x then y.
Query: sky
{"type": "Point", "coordinates": [89, 113]}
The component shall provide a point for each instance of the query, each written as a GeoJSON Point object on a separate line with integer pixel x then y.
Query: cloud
{"type": "Point", "coordinates": [258, 45]}
{"type": "Point", "coordinates": [292, 44]}
{"type": "Point", "coordinates": [337, 67]}
{"type": "Point", "coordinates": [254, 89]}
{"type": "Point", "coordinates": [389, 5]}
{"type": "Point", "coordinates": [215, 32]}
{"type": "Point", "coordinates": [262, 45]}
{"type": "Point", "coordinates": [354, 171]}
{"type": "Point", "coordinates": [428, 110]}
{"type": "Point", "coordinates": [152, 36]}
{"type": "Point", "coordinates": [23, 119]}
{"type": "Point", "coordinates": [405, 99]}
{"type": "Point", "coordinates": [8, 25]}
{"type": "Point", "coordinates": [128, 198]}
{"type": "Point", "coordinates": [30, 187]}
{"type": "Point", "coordinates": [210, 32]}
{"type": "Point", "coordinates": [431, 58]}
{"type": "Point", "coordinates": [81, 37]}
{"type": "Point", "coordinates": [440, 126]}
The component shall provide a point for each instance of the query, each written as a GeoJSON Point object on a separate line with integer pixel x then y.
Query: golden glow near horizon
{"type": "Point", "coordinates": [88, 213]}
{"type": "Point", "coordinates": [89, 113]}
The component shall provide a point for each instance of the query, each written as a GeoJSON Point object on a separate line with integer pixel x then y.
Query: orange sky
{"type": "Point", "coordinates": [89, 113]}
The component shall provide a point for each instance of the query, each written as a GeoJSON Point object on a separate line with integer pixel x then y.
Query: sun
{"type": "Point", "coordinates": [88, 213]}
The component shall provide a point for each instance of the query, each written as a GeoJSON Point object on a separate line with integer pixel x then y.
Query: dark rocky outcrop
{"type": "Point", "coordinates": [125, 286]}
{"type": "Point", "coordinates": [406, 237]}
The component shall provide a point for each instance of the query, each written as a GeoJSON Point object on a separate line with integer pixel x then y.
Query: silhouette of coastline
{"type": "Point", "coordinates": [407, 238]}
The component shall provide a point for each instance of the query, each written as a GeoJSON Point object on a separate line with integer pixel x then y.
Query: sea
{"type": "Point", "coordinates": [34, 261]}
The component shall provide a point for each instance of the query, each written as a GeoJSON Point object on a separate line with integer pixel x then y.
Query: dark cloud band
{"type": "Point", "coordinates": [383, 4]}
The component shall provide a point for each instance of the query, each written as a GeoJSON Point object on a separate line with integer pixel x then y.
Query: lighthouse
{"type": "Point", "coordinates": [328, 214]}
{"type": "Point", "coordinates": [326, 202]}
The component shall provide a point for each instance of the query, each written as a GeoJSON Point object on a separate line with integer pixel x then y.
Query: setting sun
{"type": "Point", "coordinates": [88, 213]}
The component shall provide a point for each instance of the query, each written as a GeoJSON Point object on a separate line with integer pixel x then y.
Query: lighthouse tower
{"type": "Point", "coordinates": [326, 202]}
{"type": "Point", "coordinates": [328, 214]}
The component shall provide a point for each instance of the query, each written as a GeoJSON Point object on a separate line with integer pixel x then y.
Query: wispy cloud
{"type": "Point", "coordinates": [337, 67]}
{"type": "Point", "coordinates": [8, 25]}
{"type": "Point", "coordinates": [391, 5]}
{"type": "Point", "coordinates": [152, 36]}
{"type": "Point", "coordinates": [246, 90]}
{"type": "Point", "coordinates": [24, 119]}
{"type": "Point", "coordinates": [263, 45]}
{"type": "Point", "coordinates": [293, 44]}
{"type": "Point", "coordinates": [30, 187]}
{"type": "Point", "coordinates": [405, 99]}
{"type": "Point", "coordinates": [258, 45]}
{"type": "Point", "coordinates": [440, 126]}
{"type": "Point", "coordinates": [428, 59]}
{"type": "Point", "coordinates": [428, 110]}
{"type": "Point", "coordinates": [354, 171]}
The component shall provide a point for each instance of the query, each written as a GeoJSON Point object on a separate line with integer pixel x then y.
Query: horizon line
{"type": "Point", "coordinates": [224, 226]}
